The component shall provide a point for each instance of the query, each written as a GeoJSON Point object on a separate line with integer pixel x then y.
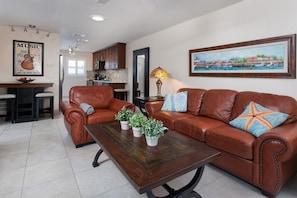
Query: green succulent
{"type": "Point", "coordinates": [152, 128]}
{"type": "Point", "coordinates": [124, 115]}
{"type": "Point", "coordinates": [137, 120]}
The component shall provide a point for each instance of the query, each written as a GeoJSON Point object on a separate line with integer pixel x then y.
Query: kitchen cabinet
{"type": "Point", "coordinates": [98, 60]}
{"type": "Point", "coordinates": [113, 57]}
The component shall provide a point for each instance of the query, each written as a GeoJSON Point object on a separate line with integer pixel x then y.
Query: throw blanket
{"type": "Point", "coordinates": [87, 108]}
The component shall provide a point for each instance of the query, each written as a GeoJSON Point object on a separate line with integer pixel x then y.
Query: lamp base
{"type": "Point", "coordinates": [159, 85]}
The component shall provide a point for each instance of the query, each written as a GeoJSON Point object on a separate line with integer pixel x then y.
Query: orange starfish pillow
{"type": "Point", "coordinates": [258, 120]}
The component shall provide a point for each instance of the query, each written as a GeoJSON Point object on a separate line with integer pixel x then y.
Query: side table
{"type": "Point", "coordinates": [142, 100]}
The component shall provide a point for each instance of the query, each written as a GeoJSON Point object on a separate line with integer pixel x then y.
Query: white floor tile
{"type": "Point", "coordinates": [63, 187]}
{"type": "Point", "coordinates": [11, 181]}
{"type": "Point", "coordinates": [98, 180]}
{"type": "Point", "coordinates": [39, 159]}
{"type": "Point", "coordinates": [46, 172]}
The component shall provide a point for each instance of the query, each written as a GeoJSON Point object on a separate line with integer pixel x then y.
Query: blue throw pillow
{"type": "Point", "coordinates": [176, 102]}
{"type": "Point", "coordinates": [258, 120]}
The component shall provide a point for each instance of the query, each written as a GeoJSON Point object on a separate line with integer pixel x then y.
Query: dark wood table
{"type": "Point", "coordinates": [149, 167]}
{"type": "Point", "coordinates": [140, 102]}
{"type": "Point", "coordinates": [25, 103]}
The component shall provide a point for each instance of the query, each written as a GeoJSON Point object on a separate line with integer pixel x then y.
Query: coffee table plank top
{"type": "Point", "coordinates": [149, 167]}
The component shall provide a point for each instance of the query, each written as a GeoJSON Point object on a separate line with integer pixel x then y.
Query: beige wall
{"type": "Point", "coordinates": [51, 56]}
{"type": "Point", "coordinates": [244, 21]}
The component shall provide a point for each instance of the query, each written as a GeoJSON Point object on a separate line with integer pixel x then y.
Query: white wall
{"type": "Point", "coordinates": [51, 57]}
{"type": "Point", "coordinates": [244, 21]}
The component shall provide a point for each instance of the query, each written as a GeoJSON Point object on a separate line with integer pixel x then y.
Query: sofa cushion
{"type": "Point", "coordinates": [284, 104]}
{"type": "Point", "coordinates": [169, 118]}
{"type": "Point", "coordinates": [175, 102]}
{"type": "Point", "coordinates": [231, 140]}
{"type": "Point", "coordinates": [194, 99]}
{"type": "Point", "coordinates": [218, 104]}
{"type": "Point", "coordinates": [196, 126]}
{"type": "Point", "coordinates": [258, 120]}
{"type": "Point", "coordinates": [97, 96]}
{"type": "Point", "coordinates": [101, 115]}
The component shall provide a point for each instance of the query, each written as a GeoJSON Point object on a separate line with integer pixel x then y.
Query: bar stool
{"type": "Point", "coordinates": [120, 94]}
{"type": "Point", "coordinates": [40, 97]}
{"type": "Point", "coordinates": [10, 98]}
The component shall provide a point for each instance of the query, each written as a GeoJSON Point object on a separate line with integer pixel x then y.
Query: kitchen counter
{"type": "Point", "coordinates": [107, 81]}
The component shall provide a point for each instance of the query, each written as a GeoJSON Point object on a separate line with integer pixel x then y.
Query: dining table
{"type": "Point", "coordinates": [25, 99]}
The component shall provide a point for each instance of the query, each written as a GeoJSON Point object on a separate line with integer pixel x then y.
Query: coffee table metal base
{"type": "Point", "coordinates": [95, 162]}
{"type": "Point", "coordinates": [184, 192]}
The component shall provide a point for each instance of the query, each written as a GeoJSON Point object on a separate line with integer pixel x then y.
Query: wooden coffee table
{"type": "Point", "coordinates": [149, 167]}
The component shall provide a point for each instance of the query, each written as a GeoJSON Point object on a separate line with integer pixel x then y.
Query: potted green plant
{"type": "Point", "coordinates": [136, 122]}
{"type": "Point", "coordinates": [152, 129]}
{"type": "Point", "coordinates": [123, 116]}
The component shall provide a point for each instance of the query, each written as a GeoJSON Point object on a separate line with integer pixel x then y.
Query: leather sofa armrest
{"type": "Point", "coordinates": [116, 105]}
{"type": "Point", "coordinates": [153, 107]}
{"type": "Point", "coordinates": [275, 155]}
{"type": "Point", "coordinates": [73, 113]}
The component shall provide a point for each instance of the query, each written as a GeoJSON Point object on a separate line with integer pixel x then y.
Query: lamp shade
{"type": "Point", "coordinates": [159, 73]}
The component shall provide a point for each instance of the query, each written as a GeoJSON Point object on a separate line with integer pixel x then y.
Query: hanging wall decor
{"type": "Point", "coordinates": [27, 58]}
{"type": "Point", "coordinates": [266, 58]}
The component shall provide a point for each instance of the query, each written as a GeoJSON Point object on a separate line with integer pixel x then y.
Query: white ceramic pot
{"type": "Point", "coordinates": [136, 131]}
{"type": "Point", "coordinates": [151, 141]}
{"type": "Point", "coordinates": [124, 125]}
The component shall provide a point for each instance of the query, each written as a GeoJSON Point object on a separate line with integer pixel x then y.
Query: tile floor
{"type": "Point", "coordinates": [38, 159]}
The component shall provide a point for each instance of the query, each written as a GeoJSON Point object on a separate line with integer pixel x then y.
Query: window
{"type": "Point", "coordinates": [76, 67]}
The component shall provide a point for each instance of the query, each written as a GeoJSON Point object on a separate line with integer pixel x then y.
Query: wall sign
{"type": "Point", "coordinates": [27, 58]}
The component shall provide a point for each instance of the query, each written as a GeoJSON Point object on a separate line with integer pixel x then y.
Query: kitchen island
{"type": "Point", "coordinates": [25, 103]}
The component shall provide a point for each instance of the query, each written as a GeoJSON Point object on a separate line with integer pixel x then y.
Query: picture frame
{"type": "Point", "coordinates": [27, 58]}
{"type": "Point", "coordinates": [264, 58]}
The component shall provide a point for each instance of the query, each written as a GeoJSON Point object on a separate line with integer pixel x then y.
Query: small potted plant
{"type": "Point", "coordinates": [136, 122]}
{"type": "Point", "coordinates": [123, 116]}
{"type": "Point", "coordinates": [152, 129]}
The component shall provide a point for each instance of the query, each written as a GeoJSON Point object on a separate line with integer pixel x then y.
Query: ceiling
{"type": "Point", "coordinates": [125, 20]}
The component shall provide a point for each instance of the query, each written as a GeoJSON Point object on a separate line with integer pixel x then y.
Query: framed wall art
{"type": "Point", "coordinates": [27, 58]}
{"type": "Point", "coordinates": [266, 58]}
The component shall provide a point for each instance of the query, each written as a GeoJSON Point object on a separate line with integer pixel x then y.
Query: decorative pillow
{"type": "Point", "coordinates": [175, 102]}
{"type": "Point", "coordinates": [88, 109]}
{"type": "Point", "coordinates": [258, 120]}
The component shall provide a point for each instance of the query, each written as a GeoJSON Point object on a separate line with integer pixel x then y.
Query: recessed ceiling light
{"type": "Point", "coordinates": [97, 17]}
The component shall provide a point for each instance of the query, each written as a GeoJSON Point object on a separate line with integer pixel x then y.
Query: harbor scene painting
{"type": "Point", "coordinates": [270, 56]}
{"type": "Point", "coordinates": [249, 59]}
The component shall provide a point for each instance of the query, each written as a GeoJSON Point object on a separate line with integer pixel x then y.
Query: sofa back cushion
{"type": "Point", "coordinates": [284, 104]}
{"type": "Point", "coordinates": [97, 96]}
{"type": "Point", "coordinates": [194, 99]}
{"type": "Point", "coordinates": [218, 103]}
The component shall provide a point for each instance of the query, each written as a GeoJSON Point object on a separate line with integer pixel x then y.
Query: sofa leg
{"type": "Point", "coordinates": [267, 194]}
{"type": "Point", "coordinates": [85, 144]}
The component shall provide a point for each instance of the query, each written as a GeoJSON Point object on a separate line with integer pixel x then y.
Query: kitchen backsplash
{"type": "Point", "coordinates": [119, 75]}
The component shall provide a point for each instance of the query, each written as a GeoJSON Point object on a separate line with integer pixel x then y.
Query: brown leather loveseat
{"type": "Point", "coordinates": [102, 100]}
{"type": "Point", "coordinates": [268, 161]}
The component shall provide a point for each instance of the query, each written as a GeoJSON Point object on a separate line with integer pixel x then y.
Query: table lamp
{"type": "Point", "coordinates": [159, 73]}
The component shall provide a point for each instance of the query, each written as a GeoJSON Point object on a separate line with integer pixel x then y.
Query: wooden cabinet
{"type": "Point", "coordinates": [113, 57]}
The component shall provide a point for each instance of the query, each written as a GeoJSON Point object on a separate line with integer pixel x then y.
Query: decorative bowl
{"type": "Point", "coordinates": [25, 80]}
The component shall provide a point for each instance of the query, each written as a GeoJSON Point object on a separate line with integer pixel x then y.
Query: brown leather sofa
{"type": "Point", "coordinates": [101, 98]}
{"type": "Point", "coordinates": [268, 162]}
